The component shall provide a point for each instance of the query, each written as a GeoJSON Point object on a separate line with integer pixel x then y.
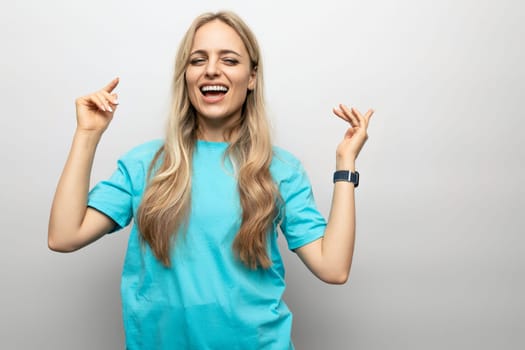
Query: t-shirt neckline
{"type": "Point", "coordinates": [212, 144]}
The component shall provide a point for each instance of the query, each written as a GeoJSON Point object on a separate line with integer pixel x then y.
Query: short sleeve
{"type": "Point", "coordinates": [301, 222]}
{"type": "Point", "coordinates": [113, 197]}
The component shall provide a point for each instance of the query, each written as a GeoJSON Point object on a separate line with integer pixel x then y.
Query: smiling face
{"type": "Point", "coordinates": [218, 76]}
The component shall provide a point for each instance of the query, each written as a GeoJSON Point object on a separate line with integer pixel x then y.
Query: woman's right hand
{"type": "Point", "coordinates": [95, 111]}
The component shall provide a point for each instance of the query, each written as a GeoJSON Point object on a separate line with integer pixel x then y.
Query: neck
{"type": "Point", "coordinates": [211, 135]}
{"type": "Point", "coordinates": [214, 130]}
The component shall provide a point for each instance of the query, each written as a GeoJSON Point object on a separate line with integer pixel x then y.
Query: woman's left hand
{"type": "Point", "coordinates": [355, 137]}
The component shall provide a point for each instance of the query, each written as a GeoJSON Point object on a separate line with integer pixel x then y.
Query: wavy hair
{"type": "Point", "coordinates": [166, 204]}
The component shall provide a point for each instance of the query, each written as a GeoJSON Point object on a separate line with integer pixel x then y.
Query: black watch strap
{"type": "Point", "coordinates": [346, 175]}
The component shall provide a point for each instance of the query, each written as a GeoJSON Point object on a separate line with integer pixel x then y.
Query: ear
{"type": "Point", "coordinates": [253, 79]}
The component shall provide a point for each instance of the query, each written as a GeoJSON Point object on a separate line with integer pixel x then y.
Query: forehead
{"type": "Point", "coordinates": [217, 35]}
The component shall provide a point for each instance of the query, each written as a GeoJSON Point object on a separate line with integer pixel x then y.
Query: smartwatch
{"type": "Point", "coordinates": [348, 176]}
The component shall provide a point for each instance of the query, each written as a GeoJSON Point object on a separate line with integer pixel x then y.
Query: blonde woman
{"type": "Point", "coordinates": [203, 269]}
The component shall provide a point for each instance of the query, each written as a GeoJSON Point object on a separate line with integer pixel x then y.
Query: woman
{"type": "Point", "coordinates": [203, 269]}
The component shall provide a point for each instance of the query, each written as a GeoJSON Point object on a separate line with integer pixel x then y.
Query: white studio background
{"type": "Point", "coordinates": [439, 259]}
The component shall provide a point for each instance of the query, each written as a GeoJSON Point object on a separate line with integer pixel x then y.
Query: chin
{"type": "Point", "coordinates": [218, 114]}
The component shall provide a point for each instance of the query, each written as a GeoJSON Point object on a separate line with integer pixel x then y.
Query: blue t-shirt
{"type": "Point", "coordinates": [207, 299]}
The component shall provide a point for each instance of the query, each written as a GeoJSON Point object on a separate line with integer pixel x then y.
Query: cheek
{"type": "Point", "coordinates": [243, 82]}
{"type": "Point", "coordinates": [192, 75]}
{"type": "Point", "coordinates": [190, 84]}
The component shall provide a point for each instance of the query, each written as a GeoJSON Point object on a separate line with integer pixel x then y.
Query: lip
{"type": "Point", "coordinates": [213, 98]}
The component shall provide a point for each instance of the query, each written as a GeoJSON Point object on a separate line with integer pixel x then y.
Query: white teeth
{"type": "Point", "coordinates": [214, 88]}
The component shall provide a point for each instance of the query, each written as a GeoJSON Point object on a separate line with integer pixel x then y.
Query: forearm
{"type": "Point", "coordinates": [338, 242]}
{"type": "Point", "coordinates": [69, 205]}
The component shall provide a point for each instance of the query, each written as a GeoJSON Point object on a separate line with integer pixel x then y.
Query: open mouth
{"type": "Point", "coordinates": [213, 90]}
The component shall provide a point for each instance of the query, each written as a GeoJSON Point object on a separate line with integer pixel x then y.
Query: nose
{"type": "Point", "coordinates": [212, 68]}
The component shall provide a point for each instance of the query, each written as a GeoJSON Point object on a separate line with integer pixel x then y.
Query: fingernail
{"type": "Point", "coordinates": [109, 109]}
{"type": "Point", "coordinates": [115, 102]}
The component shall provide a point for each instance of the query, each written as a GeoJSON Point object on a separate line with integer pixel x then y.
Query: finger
{"type": "Point", "coordinates": [354, 120]}
{"type": "Point", "coordinates": [111, 98]}
{"type": "Point", "coordinates": [115, 99]}
{"type": "Point", "coordinates": [341, 115]}
{"type": "Point", "coordinates": [369, 114]}
{"type": "Point", "coordinates": [99, 102]}
{"type": "Point", "coordinates": [101, 95]}
{"type": "Point", "coordinates": [112, 85]}
{"type": "Point", "coordinates": [359, 116]}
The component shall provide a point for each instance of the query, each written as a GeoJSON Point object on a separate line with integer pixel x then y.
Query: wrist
{"type": "Point", "coordinates": [345, 164]}
{"type": "Point", "coordinates": [87, 137]}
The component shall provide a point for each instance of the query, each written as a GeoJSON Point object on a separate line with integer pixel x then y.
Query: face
{"type": "Point", "coordinates": [219, 74]}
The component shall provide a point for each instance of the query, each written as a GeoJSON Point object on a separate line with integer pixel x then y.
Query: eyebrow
{"type": "Point", "coordinates": [222, 52]}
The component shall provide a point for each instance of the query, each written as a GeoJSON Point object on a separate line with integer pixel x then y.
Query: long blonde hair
{"type": "Point", "coordinates": [166, 203]}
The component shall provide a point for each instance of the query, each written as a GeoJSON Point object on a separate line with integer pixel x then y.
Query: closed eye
{"type": "Point", "coordinates": [197, 61]}
{"type": "Point", "coordinates": [230, 61]}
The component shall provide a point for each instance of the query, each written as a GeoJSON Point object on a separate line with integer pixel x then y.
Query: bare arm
{"type": "Point", "coordinates": [72, 224]}
{"type": "Point", "coordinates": [330, 257]}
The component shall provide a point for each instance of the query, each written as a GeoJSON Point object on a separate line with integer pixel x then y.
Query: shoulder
{"type": "Point", "coordinates": [140, 157]}
{"type": "Point", "coordinates": [143, 152]}
{"type": "Point", "coordinates": [285, 165]}
{"type": "Point", "coordinates": [283, 158]}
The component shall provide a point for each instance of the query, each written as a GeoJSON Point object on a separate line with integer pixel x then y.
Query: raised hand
{"type": "Point", "coordinates": [354, 138]}
{"type": "Point", "coordinates": [95, 111]}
